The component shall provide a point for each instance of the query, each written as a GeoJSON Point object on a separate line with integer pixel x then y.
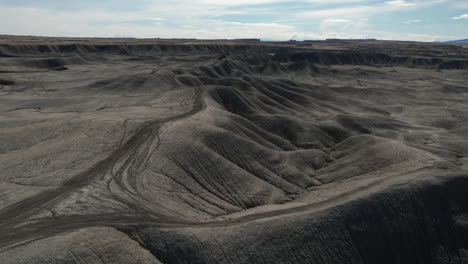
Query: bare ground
{"type": "Point", "coordinates": [185, 151]}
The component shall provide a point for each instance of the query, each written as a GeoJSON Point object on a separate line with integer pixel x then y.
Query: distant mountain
{"type": "Point", "coordinates": [341, 40]}
{"type": "Point", "coordinates": [463, 41]}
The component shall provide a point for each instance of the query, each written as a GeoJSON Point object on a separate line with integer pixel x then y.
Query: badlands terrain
{"type": "Point", "coordinates": [187, 151]}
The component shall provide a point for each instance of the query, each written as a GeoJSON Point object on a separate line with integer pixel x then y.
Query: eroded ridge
{"type": "Point", "coordinates": [171, 150]}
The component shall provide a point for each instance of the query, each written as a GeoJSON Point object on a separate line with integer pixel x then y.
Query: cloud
{"type": "Point", "coordinates": [399, 3]}
{"type": "Point", "coordinates": [362, 11]}
{"type": "Point", "coordinates": [337, 20]}
{"type": "Point", "coordinates": [345, 26]}
{"type": "Point", "coordinates": [237, 2]}
{"type": "Point", "coordinates": [154, 18]}
{"type": "Point", "coordinates": [354, 11]}
{"type": "Point", "coordinates": [34, 21]}
{"type": "Point", "coordinates": [461, 17]}
{"type": "Point", "coordinates": [459, 4]}
{"type": "Point", "coordinates": [200, 19]}
{"type": "Point", "coordinates": [412, 21]}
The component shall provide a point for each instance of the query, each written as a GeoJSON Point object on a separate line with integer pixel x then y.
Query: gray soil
{"type": "Point", "coordinates": [173, 151]}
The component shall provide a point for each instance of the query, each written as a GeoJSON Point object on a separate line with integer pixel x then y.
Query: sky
{"type": "Point", "coordinates": [418, 20]}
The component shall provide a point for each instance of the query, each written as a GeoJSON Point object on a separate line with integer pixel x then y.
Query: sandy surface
{"type": "Point", "coordinates": [185, 151]}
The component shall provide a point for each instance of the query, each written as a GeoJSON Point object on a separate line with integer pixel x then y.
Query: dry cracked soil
{"type": "Point", "coordinates": [186, 151]}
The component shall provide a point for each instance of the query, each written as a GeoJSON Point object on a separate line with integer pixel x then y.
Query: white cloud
{"type": "Point", "coordinates": [412, 21]}
{"type": "Point", "coordinates": [362, 11]}
{"type": "Point", "coordinates": [348, 12]}
{"type": "Point", "coordinates": [337, 12]}
{"type": "Point", "coordinates": [346, 26]}
{"type": "Point", "coordinates": [399, 3]}
{"type": "Point", "coordinates": [337, 20]}
{"type": "Point", "coordinates": [154, 18]}
{"type": "Point", "coordinates": [236, 3]}
{"type": "Point", "coordinates": [459, 4]}
{"type": "Point", "coordinates": [183, 19]}
{"type": "Point", "coordinates": [32, 21]}
{"type": "Point", "coordinates": [461, 17]}
{"type": "Point", "coordinates": [260, 2]}
{"type": "Point", "coordinates": [266, 25]}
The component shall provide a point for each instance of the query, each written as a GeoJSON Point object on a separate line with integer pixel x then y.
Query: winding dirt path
{"type": "Point", "coordinates": [133, 154]}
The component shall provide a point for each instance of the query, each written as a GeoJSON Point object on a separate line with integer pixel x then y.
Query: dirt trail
{"type": "Point", "coordinates": [17, 212]}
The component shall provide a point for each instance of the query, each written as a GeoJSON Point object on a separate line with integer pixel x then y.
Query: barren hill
{"type": "Point", "coordinates": [187, 151]}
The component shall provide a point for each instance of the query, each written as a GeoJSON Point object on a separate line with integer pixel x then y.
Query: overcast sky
{"type": "Point", "coordinates": [429, 20]}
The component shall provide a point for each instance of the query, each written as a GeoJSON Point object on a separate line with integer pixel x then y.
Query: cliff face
{"type": "Point", "coordinates": [232, 153]}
